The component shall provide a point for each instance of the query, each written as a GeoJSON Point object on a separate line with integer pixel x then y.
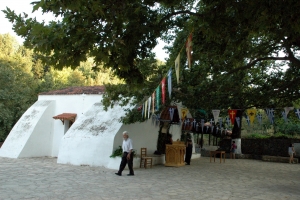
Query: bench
{"type": "Point", "coordinates": [278, 159]}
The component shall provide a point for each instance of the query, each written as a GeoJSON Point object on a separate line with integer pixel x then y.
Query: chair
{"type": "Point", "coordinates": [145, 161]}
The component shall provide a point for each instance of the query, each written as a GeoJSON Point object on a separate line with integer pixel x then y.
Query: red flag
{"type": "Point", "coordinates": [163, 90]}
{"type": "Point", "coordinates": [188, 48]}
{"type": "Point", "coordinates": [232, 115]}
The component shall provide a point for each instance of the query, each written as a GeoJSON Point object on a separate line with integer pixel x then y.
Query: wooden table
{"type": "Point", "coordinates": [213, 153]}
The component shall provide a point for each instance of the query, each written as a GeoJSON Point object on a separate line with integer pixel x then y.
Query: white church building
{"type": "Point", "coordinates": [72, 125]}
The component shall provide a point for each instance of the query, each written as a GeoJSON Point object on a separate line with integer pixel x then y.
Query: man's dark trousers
{"type": "Point", "coordinates": [125, 161]}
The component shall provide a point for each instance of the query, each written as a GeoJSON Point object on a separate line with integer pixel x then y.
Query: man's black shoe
{"type": "Point", "coordinates": [130, 174]}
{"type": "Point", "coordinates": [118, 174]}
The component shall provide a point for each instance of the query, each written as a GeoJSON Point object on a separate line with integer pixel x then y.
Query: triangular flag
{"type": "Point", "coordinates": [287, 110]}
{"type": "Point", "coordinates": [259, 118]}
{"type": "Point", "coordinates": [216, 114]}
{"type": "Point", "coordinates": [297, 112]}
{"type": "Point", "coordinates": [163, 90]}
{"type": "Point", "coordinates": [247, 119]}
{"type": "Point", "coordinates": [170, 83]}
{"type": "Point", "coordinates": [149, 106]}
{"type": "Point", "coordinates": [188, 48]}
{"type": "Point", "coordinates": [171, 111]}
{"type": "Point", "coordinates": [153, 102]}
{"type": "Point", "coordinates": [251, 113]}
{"type": "Point", "coordinates": [227, 121]}
{"type": "Point", "coordinates": [157, 98]}
{"type": "Point", "coordinates": [238, 121]}
{"type": "Point", "coordinates": [232, 115]}
{"type": "Point", "coordinates": [177, 67]}
{"type": "Point", "coordinates": [146, 108]}
{"type": "Point", "coordinates": [270, 114]}
{"type": "Point", "coordinates": [184, 112]}
{"type": "Point", "coordinates": [220, 122]}
{"type": "Point", "coordinates": [284, 116]}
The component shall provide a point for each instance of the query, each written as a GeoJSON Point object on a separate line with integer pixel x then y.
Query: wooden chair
{"type": "Point", "coordinates": [145, 161]}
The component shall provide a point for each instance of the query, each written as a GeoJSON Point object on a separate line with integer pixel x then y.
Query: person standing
{"type": "Point", "coordinates": [291, 151]}
{"type": "Point", "coordinates": [232, 150]}
{"type": "Point", "coordinates": [127, 157]}
{"type": "Point", "coordinates": [188, 151]}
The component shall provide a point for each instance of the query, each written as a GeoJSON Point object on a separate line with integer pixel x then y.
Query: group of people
{"type": "Point", "coordinates": [127, 157]}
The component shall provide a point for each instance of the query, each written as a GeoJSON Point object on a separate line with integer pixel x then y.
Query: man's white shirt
{"type": "Point", "coordinates": [127, 145]}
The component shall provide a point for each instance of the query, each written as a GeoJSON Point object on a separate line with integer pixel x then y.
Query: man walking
{"type": "Point", "coordinates": [127, 155]}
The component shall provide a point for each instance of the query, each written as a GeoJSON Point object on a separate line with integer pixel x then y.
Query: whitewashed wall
{"type": "Point", "coordinates": [90, 139]}
{"type": "Point", "coordinates": [32, 134]}
{"type": "Point", "coordinates": [78, 104]}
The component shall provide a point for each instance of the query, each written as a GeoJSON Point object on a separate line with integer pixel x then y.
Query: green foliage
{"type": "Point", "coordinates": [237, 47]}
{"type": "Point", "coordinates": [119, 153]}
{"type": "Point", "coordinates": [23, 76]}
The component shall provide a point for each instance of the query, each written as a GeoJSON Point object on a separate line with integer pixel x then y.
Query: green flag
{"type": "Point", "coordinates": [157, 97]}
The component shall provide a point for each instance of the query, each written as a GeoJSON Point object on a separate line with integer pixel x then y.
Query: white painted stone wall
{"type": "Point", "coordinates": [32, 134]}
{"type": "Point", "coordinates": [78, 104]}
{"type": "Point", "coordinates": [90, 139]}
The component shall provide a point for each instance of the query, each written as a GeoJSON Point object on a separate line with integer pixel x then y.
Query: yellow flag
{"type": "Point", "coordinates": [251, 113]}
{"type": "Point", "coordinates": [184, 112]}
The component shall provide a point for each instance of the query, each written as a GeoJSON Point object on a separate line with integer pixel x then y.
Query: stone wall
{"type": "Point", "coordinates": [259, 147]}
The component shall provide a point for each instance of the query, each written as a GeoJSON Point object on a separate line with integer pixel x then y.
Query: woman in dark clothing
{"type": "Point", "coordinates": [188, 151]}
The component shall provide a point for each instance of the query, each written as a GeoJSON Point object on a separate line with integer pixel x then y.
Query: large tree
{"type": "Point", "coordinates": [239, 46]}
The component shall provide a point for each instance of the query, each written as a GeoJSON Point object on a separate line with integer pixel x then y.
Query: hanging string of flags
{"type": "Point", "coordinates": [250, 116]}
{"type": "Point", "coordinates": [158, 97]}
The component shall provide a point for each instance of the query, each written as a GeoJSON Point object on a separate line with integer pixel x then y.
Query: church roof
{"type": "Point", "coordinates": [77, 90]}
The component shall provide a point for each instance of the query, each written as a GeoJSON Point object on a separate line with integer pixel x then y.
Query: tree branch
{"type": "Point", "coordinates": [178, 13]}
{"type": "Point", "coordinates": [251, 64]}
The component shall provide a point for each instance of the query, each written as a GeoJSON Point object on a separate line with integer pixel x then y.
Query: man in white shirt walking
{"type": "Point", "coordinates": [127, 155]}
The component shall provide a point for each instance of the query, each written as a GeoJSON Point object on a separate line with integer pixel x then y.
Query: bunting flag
{"type": "Point", "coordinates": [146, 108]}
{"type": "Point", "coordinates": [177, 67]}
{"type": "Point", "coordinates": [157, 98]}
{"type": "Point", "coordinates": [197, 127]}
{"type": "Point", "coordinates": [297, 112]}
{"type": "Point", "coordinates": [143, 109]}
{"type": "Point", "coordinates": [247, 119]}
{"type": "Point", "coordinates": [202, 124]}
{"type": "Point", "coordinates": [188, 48]}
{"type": "Point", "coordinates": [211, 122]}
{"type": "Point", "coordinates": [216, 114]}
{"type": "Point", "coordinates": [153, 102]}
{"type": "Point", "coordinates": [227, 121]}
{"type": "Point", "coordinates": [220, 122]}
{"type": "Point", "coordinates": [170, 83]}
{"type": "Point", "coordinates": [149, 106]}
{"type": "Point", "coordinates": [212, 129]}
{"type": "Point", "coordinates": [284, 115]}
{"type": "Point", "coordinates": [171, 111]}
{"type": "Point", "coordinates": [207, 129]}
{"type": "Point", "coordinates": [270, 114]}
{"type": "Point", "coordinates": [259, 118]}
{"type": "Point", "coordinates": [287, 110]}
{"type": "Point", "coordinates": [232, 115]}
{"type": "Point", "coordinates": [238, 121]}
{"type": "Point", "coordinates": [188, 122]}
{"type": "Point", "coordinates": [163, 90]}
{"type": "Point", "coordinates": [194, 123]}
{"type": "Point", "coordinates": [184, 112]}
{"type": "Point", "coordinates": [251, 113]}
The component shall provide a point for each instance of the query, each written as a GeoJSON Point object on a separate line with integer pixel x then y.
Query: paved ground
{"type": "Point", "coordinates": [42, 178]}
